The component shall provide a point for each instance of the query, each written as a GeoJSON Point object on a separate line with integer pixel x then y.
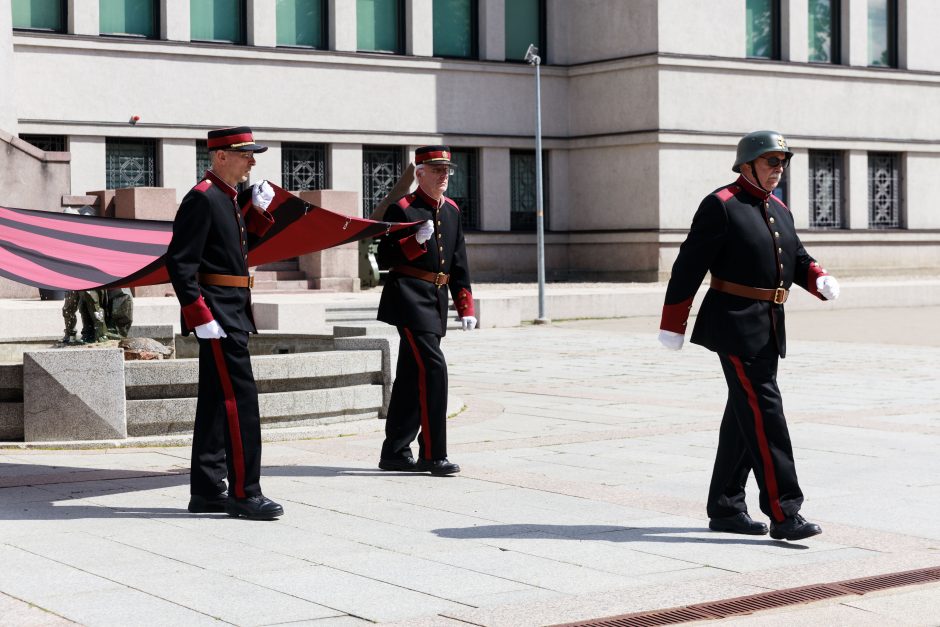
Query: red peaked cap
{"type": "Point", "coordinates": [234, 138]}
{"type": "Point", "coordinates": [433, 155]}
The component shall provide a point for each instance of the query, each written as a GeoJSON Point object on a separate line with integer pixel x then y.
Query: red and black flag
{"type": "Point", "coordinates": [58, 251]}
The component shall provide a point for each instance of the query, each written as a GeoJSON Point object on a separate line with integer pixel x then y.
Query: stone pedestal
{"type": "Point", "coordinates": [105, 202]}
{"type": "Point", "coordinates": [290, 317]}
{"type": "Point", "coordinates": [334, 269]}
{"type": "Point", "coordinates": [75, 394]}
{"type": "Point", "coordinates": [145, 203]}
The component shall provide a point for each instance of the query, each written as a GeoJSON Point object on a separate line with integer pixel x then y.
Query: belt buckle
{"type": "Point", "coordinates": [440, 279]}
{"type": "Point", "coordinates": [780, 296]}
{"type": "Point", "coordinates": [251, 282]}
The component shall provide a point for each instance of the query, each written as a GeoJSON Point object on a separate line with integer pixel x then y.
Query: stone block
{"type": "Point", "coordinates": [337, 268]}
{"type": "Point", "coordinates": [105, 203]}
{"type": "Point", "coordinates": [383, 344]}
{"type": "Point", "coordinates": [11, 421]}
{"type": "Point", "coordinates": [290, 317]}
{"type": "Point", "coordinates": [145, 203]}
{"type": "Point", "coordinates": [74, 394]}
{"type": "Point", "coordinates": [497, 311]}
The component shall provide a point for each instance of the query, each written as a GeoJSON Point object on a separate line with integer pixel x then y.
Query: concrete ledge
{"type": "Point", "coordinates": [292, 317]}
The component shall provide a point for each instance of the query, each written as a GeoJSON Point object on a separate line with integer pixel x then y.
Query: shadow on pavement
{"type": "Point", "coordinates": [605, 533]}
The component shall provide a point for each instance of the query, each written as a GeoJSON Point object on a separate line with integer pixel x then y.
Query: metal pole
{"type": "Point", "coordinates": [539, 215]}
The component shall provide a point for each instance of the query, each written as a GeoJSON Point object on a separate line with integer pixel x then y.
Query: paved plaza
{"type": "Point", "coordinates": [586, 451]}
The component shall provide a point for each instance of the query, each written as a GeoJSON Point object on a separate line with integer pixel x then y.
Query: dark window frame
{"type": "Point", "coordinates": [835, 35]}
{"type": "Point", "coordinates": [892, 26]}
{"type": "Point", "coordinates": [469, 211]}
{"type": "Point", "coordinates": [45, 142]}
{"type": "Point", "coordinates": [322, 149]}
{"type": "Point", "coordinates": [543, 36]}
{"type": "Point", "coordinates": [153, 143]}
{"type": "Point", "coordinates": [402, 35]}
{"type": "Point", "coordinates": [157, 22]}
{"type": "Point", "coordinates": [324, 30]}
{"type": "Point", "coordinates": [898, 220]}
{"type": "Point", "coordinates": [243, 41]}
{"type": "Point", "coordinates": [526, 228]}
{"type": "Point", "coordinates": [839, 220]}
{"type": "Point", "coordinates": [63, 13]}
{"type": "Point", "coordinates": [775, 34]}
{"type": "Point", "coordinates": [474, 34]}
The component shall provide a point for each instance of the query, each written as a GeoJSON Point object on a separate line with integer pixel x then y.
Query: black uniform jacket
{"type": "Point", "coordinates": [211, 235]}
{"type": "Point", "coordinates": [743, 235]}
{"type": "Point", "coordinates": [412, 302]}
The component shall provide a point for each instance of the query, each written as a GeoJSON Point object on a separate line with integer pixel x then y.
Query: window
{"type": "Point", "coordinates": [884, 195]}
{"type": "Point", "coordinates": [202, 158]}
{"type": "Point", "coordinates": [525, 24]}
{"type": "Point", "coordinates": [455, 28]}
{"type": "Point", "coordinates": [130, 163]}
{"type": "Point", "coordinates": [825, 189]}
{"type": "Point", "coordinates": [301, 23]}
{"type": "Point", "coordinates": [763, 29]}
{"type": "Point", "coordinates": [463, 187]}
{"type": "Point", "coordinates": [381, 169]}
{"type": "Point", "coordinates": [217, 20]}
{"type": "Point", "coordinates": [883, 33]}
{"type": "Point", "coordinates": [303, 166]}
{"type": "Point", "coordinates": [782, 190]}
{"type": "Point", "coordinates": [380, 25]}
{"type": "Point", "coordinates": [49, 143]}
{"type": "Point", "coordinates": [523, 203]}
{"type": "Point", "coordinates": [824, 27]}
{"type": "Point", "coordinates": [40, 14]}
{"type": "Point", "coordinates": [129, 17]}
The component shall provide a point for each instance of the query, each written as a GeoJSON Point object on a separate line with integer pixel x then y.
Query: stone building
{"type": "Point", "coordinates": [642, 104]}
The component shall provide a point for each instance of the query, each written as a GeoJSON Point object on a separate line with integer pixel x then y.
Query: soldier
{"type": "Point", "coordinates": [414, 299]}
{"type": "Point", "coordinates": [744, 236]}
{"type": "Point", "coordinates": [91, 306]}
{"type": "Point", "coordinates": [207, 260]}
{"type": "Point", "coordinates": [69, 315]}
{"type": "Point", "coordinates": [119, 314]}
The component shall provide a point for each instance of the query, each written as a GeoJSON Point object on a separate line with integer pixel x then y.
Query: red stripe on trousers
{"type": "Point", "coordinates": [422, 395]}
{"type": "Point", "coordinates": [770, 476]}
{"type": "Point", "coordinates": [231, 413]}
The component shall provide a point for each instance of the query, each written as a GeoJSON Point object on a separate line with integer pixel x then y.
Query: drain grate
{"type": "Point", "coordinates": [765, 600]}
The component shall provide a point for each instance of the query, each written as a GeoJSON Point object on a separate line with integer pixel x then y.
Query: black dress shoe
{"type": "Point", "coordinates": [739, 523]}
{"type": "Point", "coordinates": [437, 467]}
{"type": "Point", "coordinates": [794, 528]}
{"type": "Point", "coordinates": [199, 504]}
{"type": "Point", "coordinates": [258, 507]}
{"type": "Point", "coordinates": [401, 464]}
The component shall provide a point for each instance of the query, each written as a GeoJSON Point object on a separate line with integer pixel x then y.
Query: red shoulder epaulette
{"type": "Point", "coordinates": [448, 200]}
{"type": "Point", "coordinates": [203, 185]}
{"type": "Point", "coordinates": [727, 193]}
{"type": "Point", "coordinates": [781, 203]}
{"type": "Point", "coordinates": [405, 202]}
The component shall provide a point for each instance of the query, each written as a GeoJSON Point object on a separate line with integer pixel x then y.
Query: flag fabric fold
{"type": "Point", "coordinates": [59, 251]}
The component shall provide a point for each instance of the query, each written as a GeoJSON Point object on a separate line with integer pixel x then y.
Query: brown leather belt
{"type": "Point", "coordinates": [437, 278]}
{"type": "Point", "coordinates": [777, 296]}
{"type": "Point", "coordinates": [226, 280]}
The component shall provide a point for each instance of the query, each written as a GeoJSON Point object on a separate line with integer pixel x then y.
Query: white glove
{"type": "Point", "coordinates": [828, 287]}
{"type": "Point", "coordinates": [468, 323]}
{"type": "Point", "coordinates": [672, 341]}
{"type": "Point", "coordinates": [262, 194]}
{"type": "Point", "coordinates": [425, 231]}
{"type": "Point", "coordinates": [210, 331]}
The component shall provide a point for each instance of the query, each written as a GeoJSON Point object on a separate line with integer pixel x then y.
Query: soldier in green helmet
{"type": "Point", "coordinates": [745, 237]}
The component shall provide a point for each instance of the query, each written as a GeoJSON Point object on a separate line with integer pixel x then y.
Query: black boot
{"type": "Point", "coordinates": [793, 528]}
{"type": "Point", "coordinates": [258, 507]}
{"type": "Point", "coordinates": [738, 523]}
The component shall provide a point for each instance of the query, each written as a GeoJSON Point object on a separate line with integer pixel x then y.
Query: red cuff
{"type": "Point", "coordinates": [411, 247]}
{"type": "Point", "coordinates": [258, 221]}
{"type": "Point", "coordinates": [675, 317]}
{"type": "Point", "coordinates": [464, 303]}
{"type": "Point", "coordinates": [815, 271]}
{"type": "Point", "coordinates": [196, 313]}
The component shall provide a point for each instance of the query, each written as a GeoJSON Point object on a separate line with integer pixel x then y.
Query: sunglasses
{"type": "Point", "coordinates": [777, 161]}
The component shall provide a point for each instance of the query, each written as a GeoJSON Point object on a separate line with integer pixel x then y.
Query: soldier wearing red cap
{"type": "Point", "coordinates": [207, 261]}
{"type": "Point", "coordinates": [744, 236]}
{"type": "Point", "coordinates": [423, 266]}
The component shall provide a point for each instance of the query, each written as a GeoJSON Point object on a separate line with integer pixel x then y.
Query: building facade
{"type": "Point", "coordinates": [642, 104]}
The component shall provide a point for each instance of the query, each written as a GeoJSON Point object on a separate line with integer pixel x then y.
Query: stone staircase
{"type": "Point", "coordinates": [282, 276]}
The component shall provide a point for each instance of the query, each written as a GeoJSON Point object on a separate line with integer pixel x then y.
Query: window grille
{"type": "Point", "coordinates": [303, 166]}
{"type": "Point", "coordinates": [381, 169]}
{"type": "Point", "coordinates": [130, 163]}
{"type": "Point", "coordinates": [884, 197]}
{"type": "Point", "coordinates": [463, 187]}
{"type": "Point", "coordinates": [523, 203]}
{"type": "Point", "coordinates": [825, 190]}
{"type": "Point", "coordinates": [49, 143]}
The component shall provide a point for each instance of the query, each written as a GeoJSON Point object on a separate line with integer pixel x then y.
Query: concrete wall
{"type": "Point", "coordinates": [31, 178]}
{"type": "Point", "coordinates": [593, 30]}
{"type": "Point", "coordinates": [8, 119]}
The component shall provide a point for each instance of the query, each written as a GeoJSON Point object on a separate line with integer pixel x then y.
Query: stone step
{"type": "Point", "coordinates": [280, 286]}
{"type": "Point", "coordinates": [287, 265]}
{"type": "Point", "coordinates": [279, 275]}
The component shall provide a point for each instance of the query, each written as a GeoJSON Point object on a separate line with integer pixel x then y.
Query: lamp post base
{"type": "Point", "coordinates": [542, 321]}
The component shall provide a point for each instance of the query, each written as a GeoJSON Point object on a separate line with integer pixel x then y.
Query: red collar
{"type": "Point", "coordinates": [435, 204]}
{"type": "Point", "coordinates": [752, 189]}
{"type": "Point", "coordinates": [230, 191]}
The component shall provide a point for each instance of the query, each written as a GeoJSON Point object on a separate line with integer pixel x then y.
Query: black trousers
{"type": "Point", "coordinates": [419, 398]}
{"type": "Point", "coordinates": [754, 436]}
{"type": "Point", "coordinates": [227, 433]}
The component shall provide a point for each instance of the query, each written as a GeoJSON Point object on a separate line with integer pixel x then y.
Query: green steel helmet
{"type": "Point", "coordinates": [758, 143]}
